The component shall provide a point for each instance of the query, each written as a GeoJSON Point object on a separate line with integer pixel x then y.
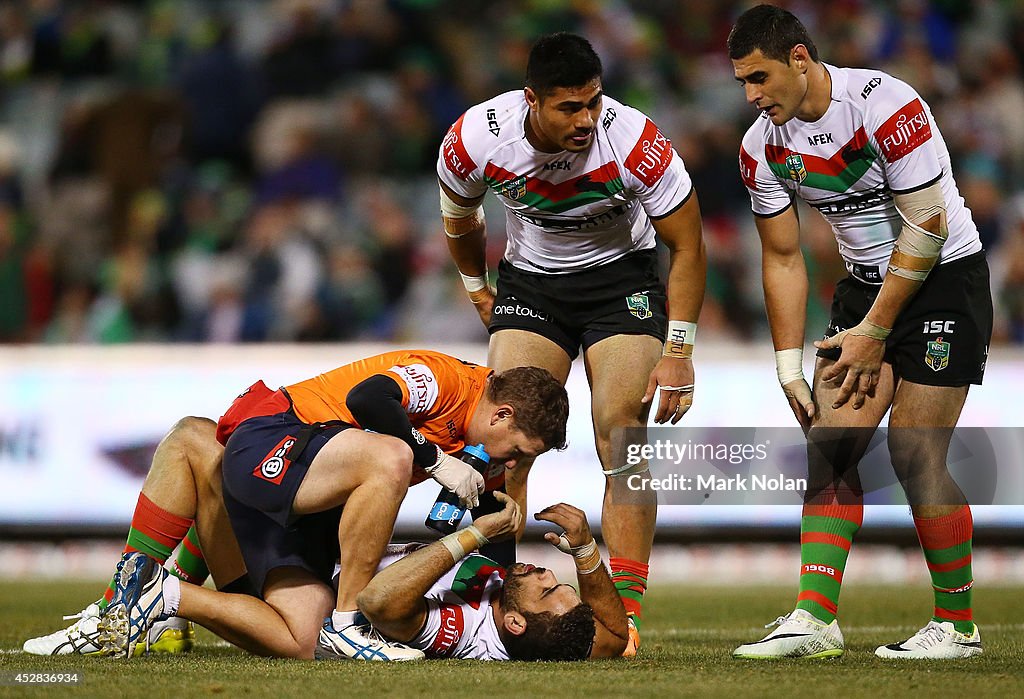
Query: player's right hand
{"type": "Point", "coordinates": [572, 519]}
{"type": "Point", "coordinates": [483, 300]}
{"type": "Point", "coordinates": [801, 402]}
{"type": "Point", "coordinates": [459, 477]}
{"type": "Point", "coordinates": [503, 524]}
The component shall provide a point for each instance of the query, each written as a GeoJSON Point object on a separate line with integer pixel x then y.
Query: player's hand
{"type": "Point", "coordinates": [858, 368]}
{"type": "Point", "coordinates": [798, 393]}
{"type": "Point", "coordinates": [483, 300]}
{"type": "Point", "coordinates": [674, 376]}
{"type": "Point", "coordinates": [459, 477]}
{"type": "Point", "coordinates": [501, 525]}
{"type": "Point", "coordinates": [572, 520]}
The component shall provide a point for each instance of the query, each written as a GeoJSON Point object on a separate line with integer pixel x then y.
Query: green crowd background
{"type": "Point", "coordinates": [263, 170]}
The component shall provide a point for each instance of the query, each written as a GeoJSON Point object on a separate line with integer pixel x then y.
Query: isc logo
{"type": "Point", "coordinates": [939, 327]}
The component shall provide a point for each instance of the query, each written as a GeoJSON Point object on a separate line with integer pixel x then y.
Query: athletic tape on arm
{"type": "Point", "coordinates": [917, 249]}
{"type": "Point", "coordinates": [459, 220]}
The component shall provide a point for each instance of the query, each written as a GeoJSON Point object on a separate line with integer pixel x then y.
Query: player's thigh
{"type": "Point", "coordinates": [921, 425]}
{"type": "Point", "coordinates": [869, 415]}
{"type": "Point", "coordinates": [618, 369]}
{"type": "Point", "coordinates": [511, 348]}
{"type": "Point", "coordinates": [302, 601]}
{"type": "Point", "coordinates": [347, 460]}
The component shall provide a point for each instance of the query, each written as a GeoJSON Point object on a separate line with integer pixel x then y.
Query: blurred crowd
{"type": "Point", "coordinates": [262, 170]}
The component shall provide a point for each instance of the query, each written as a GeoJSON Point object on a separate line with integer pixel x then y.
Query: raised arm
{"type": "Point", "coordinates": [596, 586]}
{"type": "Point", "coordinates": [394, 600]}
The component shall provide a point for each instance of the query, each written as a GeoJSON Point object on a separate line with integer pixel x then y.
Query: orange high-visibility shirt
{"type": "Point", "coordinates": [439, 392]}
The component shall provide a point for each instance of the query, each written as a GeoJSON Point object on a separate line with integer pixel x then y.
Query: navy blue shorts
{"type": "Point", "coordinates": [261, 476]}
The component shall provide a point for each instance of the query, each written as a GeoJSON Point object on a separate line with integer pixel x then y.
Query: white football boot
{"type": "Point", "coordinates": [936, 641]}
{"type": "Point", "coordinates": [799, 635]}
{"type": "Point", "coordinates": [360, 641]}
{"type": "Point", "coordinates": [82, 637]}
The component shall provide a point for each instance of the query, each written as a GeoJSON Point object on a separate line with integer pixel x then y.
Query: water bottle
{"type": "Point", "coordinates": [447, 512]}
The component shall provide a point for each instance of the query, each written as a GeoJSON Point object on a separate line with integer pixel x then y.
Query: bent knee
{"type": "Point", "coordinates": [394, 459]}
{"type": "Point", "coordinates": [192, 431]}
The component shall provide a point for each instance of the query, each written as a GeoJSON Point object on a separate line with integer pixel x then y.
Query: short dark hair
{"type": "Point", "coordinates": [771, 29]}
{"type": "Point", "coordinates": [561, 60]}
{"type": "Point", "coordinates": [540, 402]}
{"type": "Point", "coordinates": [548, 636]}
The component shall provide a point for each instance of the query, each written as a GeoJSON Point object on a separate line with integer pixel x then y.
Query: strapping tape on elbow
{"type": "Point", "coordinates": [917, 249]}
{"type": "Point", "coordinates": [459, 220]}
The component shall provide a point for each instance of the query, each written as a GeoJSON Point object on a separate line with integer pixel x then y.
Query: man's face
{"type": "Point", "coordinates": [505, 443]}
{"type": "Point", "coordinates": [565, 118]}
{"type": "Point", "coordinates": [772, 86]}
{"type": "Point", "coordinates": [531, 589]}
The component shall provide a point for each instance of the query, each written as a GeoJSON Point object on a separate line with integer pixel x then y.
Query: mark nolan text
{"type": "Point", "coordinates": [715, 483]}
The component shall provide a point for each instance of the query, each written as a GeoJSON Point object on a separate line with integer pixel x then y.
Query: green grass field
{"type": "Point", "coordinates": [687, 639]}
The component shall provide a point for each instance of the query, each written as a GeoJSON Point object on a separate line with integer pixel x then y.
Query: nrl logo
{"type": "Point", "coordinates": [937, 355]}
{"type": "Point", "coordinates": [514, 189]}
{"type": "Point", "coordinates": [639, 305]}
{"type": "Point", "coordinates": [795, 164]}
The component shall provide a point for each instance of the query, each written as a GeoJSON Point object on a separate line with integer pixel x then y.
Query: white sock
{"type": "Point", "coordinates": [342, 619]}
{"type": "Point", "coordinates": [172, 595]}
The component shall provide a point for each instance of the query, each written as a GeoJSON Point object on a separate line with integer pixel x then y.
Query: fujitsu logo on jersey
{"type": "Point", "coordinates": [421, 384]}
{"type": "Point", "coordinates": [904, 131]}
{"type": "Point", "coordinates": [453, 625]}
{"type": "Point", "coordinates": [650, 156]}
{"type": "Point", "coordinates": [456, 157]}
{"type": "Point", "coordinates": [748, 166]}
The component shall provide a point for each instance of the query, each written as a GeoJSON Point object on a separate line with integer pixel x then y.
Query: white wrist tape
{"type": "Point", "coordinates": [789, 365]}
{"type": "Point", "coordinates": [461, 543]}
{"type": "Point", "coordinates": [587, 556]}
{"type": "Point", "coordinates": [474, 283]}
{"type": "Point", "coordinates": [680, 338]}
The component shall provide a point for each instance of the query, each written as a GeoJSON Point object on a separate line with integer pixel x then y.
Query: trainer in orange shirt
{"type": "Point", "coordinates": [291, 462]}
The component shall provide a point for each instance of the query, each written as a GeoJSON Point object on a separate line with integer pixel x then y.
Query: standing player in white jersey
{"type": "Point", "coordinates": [589, 185]}
{"type": "Point", "coordinates": [910, 324]}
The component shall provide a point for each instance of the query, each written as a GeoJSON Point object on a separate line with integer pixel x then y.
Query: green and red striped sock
{"type": "Point", "coordinates": [946, 542]}
{"type": "Point", "coordinates": [630, 578]}
{"type": "Point", "coordinates": [155, 532]}
{"type": "Point", "coordinates": [826, 534]}
{"type": "Point", "coordinates": [189, 564]}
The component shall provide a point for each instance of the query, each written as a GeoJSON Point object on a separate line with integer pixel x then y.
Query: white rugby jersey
{"type": "Point", "coordinates": [566, 211]}
{"type": "Point", "coordinates": [877, 136]}
{"type": "Point", "coordinates": [459, 622]}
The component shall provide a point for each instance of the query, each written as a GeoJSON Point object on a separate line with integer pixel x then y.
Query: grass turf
{"type": "Point", "coordinates": [687, 640]}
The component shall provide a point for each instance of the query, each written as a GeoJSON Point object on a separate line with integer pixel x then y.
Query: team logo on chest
{"type": "Point", "coordinates": [639, 305]}
{"type": "Point", "coordinates": [513, 189]}
{"type": "Point", "coordinates": [937, 354]}
{"type": "Point", "coordinates": [795, 165]}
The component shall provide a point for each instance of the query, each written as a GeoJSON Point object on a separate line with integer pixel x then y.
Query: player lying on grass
{"type": "Point", "coordinates": [441, 599]}
{"type": "Point", "coordinates": [185, 478]}
{"type": "Point", "coordinates": [292, 460]}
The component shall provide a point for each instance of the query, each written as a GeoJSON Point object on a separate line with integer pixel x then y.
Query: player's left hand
{"type": "Point", "coordinates": [674, 376]}
{"type": "Point", "coordinates": [502, 524]}
{"type": "Point", "coordinates": [859, 366]}
{"type": "Point", "coordinates": [571, 519]}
